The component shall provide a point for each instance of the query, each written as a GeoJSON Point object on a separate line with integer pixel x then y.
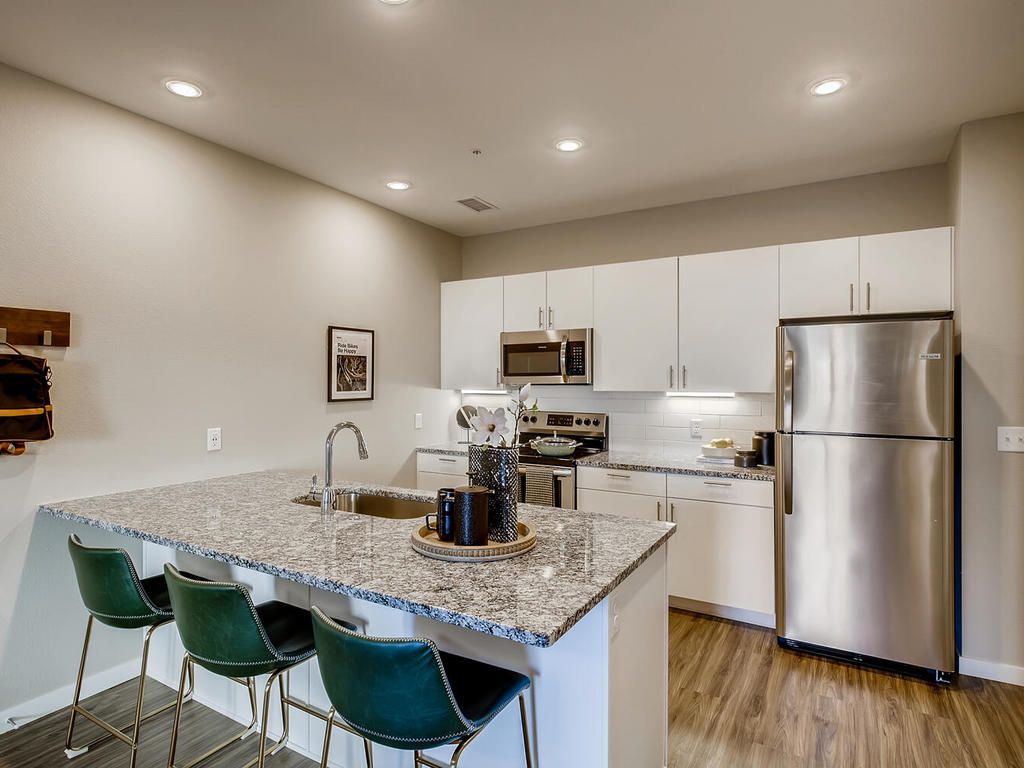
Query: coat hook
{"type": "Point", "coordinates": [47, 338]}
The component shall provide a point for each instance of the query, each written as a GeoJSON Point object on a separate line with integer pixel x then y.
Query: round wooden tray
{"type": "Point", "coordinates": [425, 541]}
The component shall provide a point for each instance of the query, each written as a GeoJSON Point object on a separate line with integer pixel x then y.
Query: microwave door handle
{"type": "Point", "coordinates": [563, 360]}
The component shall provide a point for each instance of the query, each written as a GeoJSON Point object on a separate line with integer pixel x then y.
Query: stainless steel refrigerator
{"type": "Point", "coordinates": [864, 493]}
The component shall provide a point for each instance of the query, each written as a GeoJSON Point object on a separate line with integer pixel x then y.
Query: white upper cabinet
{"type": "Point", "coordinates": [542, 300]}
{"type": "Point", "coordinates": [571, 298]}
{"type": "Point", "coordinates": [907, 271]}
{"type": "Point", "coordinates": [471, 322]}
{"type": "Point", "coordinates": [526, 302]}
{"type": "Point", "coordinates": [728, 310]}
{"type": "Point", "coordinates": [635, 326]}
{"type": "Point", "coordinates": [819, 279]}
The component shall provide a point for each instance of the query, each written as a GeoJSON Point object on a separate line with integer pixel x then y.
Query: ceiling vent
{"type": "Point", "coordinates": [477, 204]}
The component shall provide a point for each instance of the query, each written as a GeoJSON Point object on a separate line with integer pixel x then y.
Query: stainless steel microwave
{"type": "Point", "coordinates": [548, 357]}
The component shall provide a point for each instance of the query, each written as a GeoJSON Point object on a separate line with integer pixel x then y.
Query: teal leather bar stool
{"type": "Point", "coordinates": [225, 633]}
{"type": "Point", "coordinates": [114, 595]}
{"type": "Point", "coordinates": [407, 694]}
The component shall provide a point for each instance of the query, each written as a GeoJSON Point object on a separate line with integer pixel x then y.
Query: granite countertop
{"type": "Point", "coordinates": [672, 464]}
{"type": "Point", "coordinates": [249, 521]}
{"type": "Point", "coordinates": [445, 449]}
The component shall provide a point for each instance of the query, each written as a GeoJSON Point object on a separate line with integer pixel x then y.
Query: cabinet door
{"type": "Point", "coordinates": [819, 279]}
{"type": "Point", "coordinates": [907, 271]}
{"type": "Point", "coordinates": [471, 321]}
{"type": "Point", "coordinates": [571, 298]}
{"type": "Point", "coordinates": [728, 311]}
{"type": "Point", "coordinates": [435, 481]}
{"type": "Point", "coordinates": [636, 326]}
{"type": "Point", "coordinates": [723, 554]}
{"type": "Point", "coordinates": [526, 302]}
{"type": "Point", "coordinates": [622, 504]}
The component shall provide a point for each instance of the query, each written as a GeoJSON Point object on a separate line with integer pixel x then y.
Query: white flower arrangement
{"type": "Point", "coordinates": [490, 427]}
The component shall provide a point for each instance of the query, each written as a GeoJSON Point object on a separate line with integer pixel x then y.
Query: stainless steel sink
{"type": "Point", "coordinates": [373, 505]}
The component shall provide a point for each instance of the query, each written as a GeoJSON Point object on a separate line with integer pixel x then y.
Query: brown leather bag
{"type": "Point", "coordinates": [25, 410]}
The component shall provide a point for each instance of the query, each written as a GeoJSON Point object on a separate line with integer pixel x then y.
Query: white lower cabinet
{"type": "Point", "coordinates": [724, 555]}
{"type": "Point", "coordinates": [721, 559]}
{"type": "Point", "coordinates": [434, 471]}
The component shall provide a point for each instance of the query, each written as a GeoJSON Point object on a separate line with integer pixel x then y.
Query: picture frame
{"type": "Point", "coordinates": [350, 364]}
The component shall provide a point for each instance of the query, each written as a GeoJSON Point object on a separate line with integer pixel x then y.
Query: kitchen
{"type": "Point", "coordinates": [201, 247]}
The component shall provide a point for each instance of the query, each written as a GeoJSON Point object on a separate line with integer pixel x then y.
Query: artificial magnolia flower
{"type": "Point", "coordinates": [524, 393]}
{"type": "Point", "coordinates": [489, 426]}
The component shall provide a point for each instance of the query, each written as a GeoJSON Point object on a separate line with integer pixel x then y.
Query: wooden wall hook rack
{"type": "Point", "coordinates": [35, 327]}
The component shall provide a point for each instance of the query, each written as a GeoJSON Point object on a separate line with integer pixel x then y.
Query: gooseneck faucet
{"type": "Point", "coordinates": [329, 492]}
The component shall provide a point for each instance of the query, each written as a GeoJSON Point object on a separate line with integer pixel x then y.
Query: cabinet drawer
{"type": "Point", "coordinates": [646, 483]}
{"type": "Point", "coordinates": [449, 465]}
{"type": "Point", "coordinates": [756, 493]}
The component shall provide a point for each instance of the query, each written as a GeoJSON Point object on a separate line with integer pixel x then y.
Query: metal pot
{"type": "Point", "coordinates": [554, 446]}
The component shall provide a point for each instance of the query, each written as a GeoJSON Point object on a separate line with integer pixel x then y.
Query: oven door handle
{"type": "Point", "coordinates": [563, 360]}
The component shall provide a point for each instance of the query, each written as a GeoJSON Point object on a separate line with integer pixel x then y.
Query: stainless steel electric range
{"type": "Point", "coordinates": [552, 481]}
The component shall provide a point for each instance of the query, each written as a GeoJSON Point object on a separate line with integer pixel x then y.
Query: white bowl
{"type": "Point", "coordinates": [718, 453]}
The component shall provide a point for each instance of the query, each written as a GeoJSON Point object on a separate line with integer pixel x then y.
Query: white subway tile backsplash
{"type": "Point", "coordinates": [651, 421]}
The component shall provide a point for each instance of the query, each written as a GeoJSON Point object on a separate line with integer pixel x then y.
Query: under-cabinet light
{"type": "Point", "coordinates": [700, 394]}
{"type": "Point", "coordinates": [484, 391]}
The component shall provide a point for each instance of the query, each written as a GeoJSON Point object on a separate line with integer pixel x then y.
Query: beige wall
{"type": "Point", "coordinates": [988, 202]}
{"type": "Point", "coordinates": [201, 283]}
{"type": "Point", "coordinates": [884, 202]}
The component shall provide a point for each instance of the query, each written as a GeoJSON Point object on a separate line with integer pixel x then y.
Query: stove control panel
{"type": "Point", "coordinates": [546, 422]}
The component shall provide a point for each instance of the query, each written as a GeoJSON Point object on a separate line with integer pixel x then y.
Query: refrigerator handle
{"type": "Point", "coordinates": [785, 460]}
{"type": "Point", "coordinates": [788, 362]}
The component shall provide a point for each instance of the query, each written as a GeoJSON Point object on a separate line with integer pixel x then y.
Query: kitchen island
{"type": "Point", "coordinates": [583, 614]}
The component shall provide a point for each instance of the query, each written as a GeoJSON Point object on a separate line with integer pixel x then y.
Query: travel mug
{"type": "Point", "coordinates": [444, 516]}
{"type": "Point", "coordinates": [471, 515]}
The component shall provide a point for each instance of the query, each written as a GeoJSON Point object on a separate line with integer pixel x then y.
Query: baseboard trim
{"type": "Point", "coordinates": [992, 670]}
{"type": "Point", "coordinates": [52, 701]}
{"type": "Point", "coordinates": [724, 612]}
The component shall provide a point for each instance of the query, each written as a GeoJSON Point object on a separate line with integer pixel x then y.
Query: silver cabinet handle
{"type": "Point", "coordinates": [540, 317]}
{"type": "Point", "coordinates": [497, 376]}
{"type": "Point", "coordinates": [671, 377]}
{"type": "Point", "coordinates": [869, 297]}
{"type": "Point", "coordinates": [449, 461]}
{"type": "Point", "coordinates": [851, 297]}
{"type": "Point", "coordinates": [719, 484]}
{"type": "Point", "coordinates": [684, 377]}
{"type": "Point", "coordinates": [551, 321]}
{"type": "Point", "coordinates": [672, 511]}
{"type": "Point", "coordinates": [612, 474]}
{"type": "Point", "coordinates": [659, 510]}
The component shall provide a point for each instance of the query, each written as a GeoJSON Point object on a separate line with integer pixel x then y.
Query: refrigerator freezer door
{"type": "Point", "coordinates": [892, 378]}
{"type": "Point", "coordinates": [864, 537]}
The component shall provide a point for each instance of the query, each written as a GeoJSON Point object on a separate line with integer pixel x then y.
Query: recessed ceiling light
{"type": "Point", "coordinates": [394, 2]}
{"type": "Point", "coordinates": [183, 88]}
{"type": "Point", "coordinates": [398, 186]}
{"type": "Point", "coordinates": [828, 86]}
{"type": "Point", "coordinates": [569, 145]}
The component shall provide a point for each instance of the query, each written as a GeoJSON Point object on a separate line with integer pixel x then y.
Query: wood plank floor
{"type": "Point", "coordinates": [736, 700]}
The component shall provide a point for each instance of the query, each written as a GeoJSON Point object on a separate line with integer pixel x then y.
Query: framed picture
{"type": "Point", "coordinates": [349, 364]}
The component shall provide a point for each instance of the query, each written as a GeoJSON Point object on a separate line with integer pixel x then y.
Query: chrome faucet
{"type": "Point", "coordinates": [329, 492]}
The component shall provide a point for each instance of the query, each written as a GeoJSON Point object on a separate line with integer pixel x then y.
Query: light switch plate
{"type": "Point", "coordinates": [213, 439]}
{"type": "Point", "coordinates": [418, 421]}
{"type": "Point", "coordinates": [1010, 439]}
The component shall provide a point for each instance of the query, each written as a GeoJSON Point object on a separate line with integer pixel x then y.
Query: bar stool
{"type": "Point", "coordinates": [407, 694]}
{"type": "Point", "coordinates": [114, 595]}
{"type": "Point", "coordinates": [225, 633]}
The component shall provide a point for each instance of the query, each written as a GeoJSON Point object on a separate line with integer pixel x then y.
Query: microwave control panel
{"type": "Point", "coordinates": [576, 362]}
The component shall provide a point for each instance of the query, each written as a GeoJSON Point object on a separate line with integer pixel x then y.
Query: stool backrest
{"type": "Point", "coordinates": [219, 626]}
{"type": "Point", "coordinates": [110, 586]}
{"type": "Point", "coordinates": [393, 691]}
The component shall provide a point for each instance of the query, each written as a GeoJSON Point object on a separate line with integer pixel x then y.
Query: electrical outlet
{"type": "Point", "coordinates": [418, 421]}
{"type": "Point", "coordinates": [213, 439]}
{"type": "Point", "coordinates": [1010, 439]}
{"type": "Point", "coordinates": [695, 428]}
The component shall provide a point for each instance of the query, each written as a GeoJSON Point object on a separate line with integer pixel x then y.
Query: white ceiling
{"type": "Point", "coordinates": [677, 99]}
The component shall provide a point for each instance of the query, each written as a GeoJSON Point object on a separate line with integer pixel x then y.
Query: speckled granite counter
{"type": "Point", "coordinates": [249, 521]}
{"type": "Point", "coordinates": [445, 449]}
{"type": "Point", "coordinates": [656, 461]}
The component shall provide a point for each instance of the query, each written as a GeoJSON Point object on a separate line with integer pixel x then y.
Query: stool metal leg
{"type": "Point", "coordinates": [331, 723]}
{"type": "Point", "coordinates": [419, 759]}
{"type": "Point", "coordinates": [526, 730]}
{"type": "Point", "coordinates": [188, 667]}
{"type": "Point", "coordinates": [112, 731]}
